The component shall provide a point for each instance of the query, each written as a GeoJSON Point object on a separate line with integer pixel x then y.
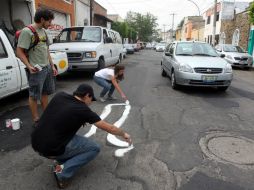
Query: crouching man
{"type": "Point", "coordinates": [55, 137]}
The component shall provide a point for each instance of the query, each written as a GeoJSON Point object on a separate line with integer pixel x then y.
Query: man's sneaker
{"type": "Point", "coordinates": [102, 99]}
{"type": "Point", "coordinates": [111, 98]}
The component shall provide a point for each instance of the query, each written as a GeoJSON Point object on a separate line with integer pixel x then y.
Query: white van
{"type": "Point", "coordinates": [89, 47]}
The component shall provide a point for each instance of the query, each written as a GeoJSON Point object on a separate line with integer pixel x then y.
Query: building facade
{"type": "Point", "coordinates": [115, 18]}
{"type": "Point", "coordinates": [100, 16]}
{"type": "Point", "coordinates": [236, 31]}
{"type": "Point", "coordinates": [225, 12]}
{"type": "Point", "coordinates": [82, 12]}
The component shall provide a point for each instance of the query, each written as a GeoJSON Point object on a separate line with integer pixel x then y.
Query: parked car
{"type": "Point", "coordinates": [160, 47]}
{"type": "Point", "coordinates": [129, 48]}
{"type": "Point", "coordinates": [136, 47]}
{"type": "Point", "coordinates": [235, 55]}
{"type": "Point", "coordinates": [124, 52]}
{"type": "Point", "coordinates": [194, 63]}
{"type": "Point", "coordinates": [89, 47]}
{"type": "Point", "coordinates": [149, 46]}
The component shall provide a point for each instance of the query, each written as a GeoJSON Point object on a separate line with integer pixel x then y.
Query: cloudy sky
{"type": "Point", "coordinates": [162, 9]}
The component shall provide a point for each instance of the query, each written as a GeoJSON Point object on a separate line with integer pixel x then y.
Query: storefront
{"type": "Point", "coordinates": [61, 21]}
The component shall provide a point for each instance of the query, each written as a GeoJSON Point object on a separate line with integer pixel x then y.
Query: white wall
{"type": "Point", "coordinates": [82, 12]}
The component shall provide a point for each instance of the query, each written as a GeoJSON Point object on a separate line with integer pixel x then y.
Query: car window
{"type": "Point", "coordinates": [78, 34]}
{"type": "Point", "coordinates": [202, 49]}
{"type": "Point", "coordinates": [3, 53]}
{"type": "Point", "coordinates": [232, 48]}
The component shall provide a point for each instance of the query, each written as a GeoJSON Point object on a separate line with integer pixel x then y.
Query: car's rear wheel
{"type": "Point", "coordinates": [174, 85]}
{"type": "Point", "coordinates": [222, 88]}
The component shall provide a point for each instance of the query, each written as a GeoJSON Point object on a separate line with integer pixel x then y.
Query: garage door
{"type": "Point", "coordinates": [60, 22]}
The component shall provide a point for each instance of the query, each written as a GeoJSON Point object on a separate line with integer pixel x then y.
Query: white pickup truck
{"type": "Point", "coordinates": [13, 77]}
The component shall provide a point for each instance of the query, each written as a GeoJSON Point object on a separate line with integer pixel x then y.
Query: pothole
{"type": "Point", "coordinates": [227, 147]}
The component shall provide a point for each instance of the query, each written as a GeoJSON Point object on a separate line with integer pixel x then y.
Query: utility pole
{"type": "Point", "coordinates": [198, 14]}
{"type": "Point", "coordinates": [164, 38]}
{"type": "Point", "coordinates": [214, 21]}
{"type": "Point", "coordinates": [91, 12]}
{"type": "Point", "coordinates": [172, 32]}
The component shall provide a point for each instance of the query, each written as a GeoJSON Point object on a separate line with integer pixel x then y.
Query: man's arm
{"type": "Point", "coordinates": [113, 130]}
{"type": "Point", "coordinates": [21, 54]}
{"type": "Point", "coordinates": [114, 82]}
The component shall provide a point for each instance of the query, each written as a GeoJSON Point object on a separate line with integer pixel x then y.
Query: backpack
{"type": "Point", "coordinates": [33, 44]}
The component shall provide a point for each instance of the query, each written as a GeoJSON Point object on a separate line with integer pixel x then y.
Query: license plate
{"type": "Point", "coordinates": [243, 62]}
{"type": "Point", "coordinates": [206, 78]}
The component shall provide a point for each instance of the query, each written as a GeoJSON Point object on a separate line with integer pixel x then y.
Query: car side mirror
{"type": "Point", "coordinates": [108, 40]}
{"type": "Point", "coordinates": [55, 40]}
{"type": "Point", "coordinates": [222, 55]}
{"type": "Point", "coordinates": [168, 54]}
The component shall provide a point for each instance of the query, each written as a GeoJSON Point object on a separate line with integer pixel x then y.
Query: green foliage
{"type": "Point", "coordinates": [124, 30]}
{"type": "Point", "coordinates": [144, 25]}
{"type": "Point", "coordinates": [251, 13]}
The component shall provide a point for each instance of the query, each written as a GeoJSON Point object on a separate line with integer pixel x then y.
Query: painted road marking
{"type": "Point", "coordinates": [112, 138]}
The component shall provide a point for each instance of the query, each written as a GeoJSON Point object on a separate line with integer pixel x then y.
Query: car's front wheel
{"type": "Point", "coordinates": [163, 72]}
{"type": "Point", "coordinates": [174, 85]}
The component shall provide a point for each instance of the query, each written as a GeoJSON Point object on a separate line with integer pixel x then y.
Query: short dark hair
{"type": "Point", "coordinates": [43, 13]}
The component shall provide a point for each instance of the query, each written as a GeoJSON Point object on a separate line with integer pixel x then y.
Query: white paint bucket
{"type": "Point", "coordinates": [15, 124]}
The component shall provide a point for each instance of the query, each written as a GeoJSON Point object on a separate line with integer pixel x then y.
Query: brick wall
{"type": "Point", "coordinates": [98, 9]}
{"type": "Point", "coordinates": [58, 5]}
{"type": "Point", "coordinates": [240, 22]}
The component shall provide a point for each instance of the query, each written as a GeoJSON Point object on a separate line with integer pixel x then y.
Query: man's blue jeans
{"type": "Point", "coordinates": [78, 152]}
{"type": "Point", "coordinates": [107, 86]}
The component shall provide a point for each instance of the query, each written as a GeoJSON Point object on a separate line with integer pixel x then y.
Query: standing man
{"type": "Point", "coordinates": [55, 137]}
{"type": "Point", "coordinates": [40, 68]}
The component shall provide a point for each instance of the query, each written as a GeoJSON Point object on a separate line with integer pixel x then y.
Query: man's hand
{"type": "Point", "coordinates": [127, 138]}
{"type": "Point", "coordinates": [54, 71]}
{"type": "Point", "coordinates": [32, 69]}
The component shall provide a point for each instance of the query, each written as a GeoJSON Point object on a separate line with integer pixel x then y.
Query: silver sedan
{"type": "Point", "coordinates": [235, 55]}
{"type": "Point", "coordinates": [193, 63]}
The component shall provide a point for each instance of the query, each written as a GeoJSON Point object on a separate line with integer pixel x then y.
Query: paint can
{"type": "Point", "coordinates": [16, 123]}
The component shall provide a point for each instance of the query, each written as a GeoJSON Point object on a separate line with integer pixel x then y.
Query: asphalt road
{"type": "Point", "coordinates": [166, 127]}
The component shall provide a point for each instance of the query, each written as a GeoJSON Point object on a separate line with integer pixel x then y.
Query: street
{"type": "Point", "coordinates": [186, 139]}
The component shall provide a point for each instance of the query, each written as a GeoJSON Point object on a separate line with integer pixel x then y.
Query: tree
{"type": "Point", "coordinates": [251, 13]}
{"type": "Point", "coordinates": [144, 25]}
{"type": "Point", "coordinates": [124, 30]}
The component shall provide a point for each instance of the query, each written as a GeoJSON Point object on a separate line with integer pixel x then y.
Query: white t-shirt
{"type": "Point", "coordinates": [106, 73]}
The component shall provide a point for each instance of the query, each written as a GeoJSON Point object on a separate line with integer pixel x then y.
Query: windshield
{"type": "Point", "coordinates": [161, 44]}
{"type": "Point", "coordinates": [231, 48]}
{"type": "Point", "coordinates": [81, 34]}
{"type": "Point", "coordinates": [201, 49]}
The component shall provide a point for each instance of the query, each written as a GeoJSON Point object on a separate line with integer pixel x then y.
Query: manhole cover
{"type": "Point", "coordinates": [228, 147]}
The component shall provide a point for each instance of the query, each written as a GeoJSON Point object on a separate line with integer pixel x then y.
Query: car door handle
{"type": "Point", "coordinates": [8, 67]}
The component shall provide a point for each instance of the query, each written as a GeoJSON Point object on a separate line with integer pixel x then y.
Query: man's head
{"type": "Point", "coordinates": [85, 92]}
{"type": "Point", "coordinates": [43, 17]}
